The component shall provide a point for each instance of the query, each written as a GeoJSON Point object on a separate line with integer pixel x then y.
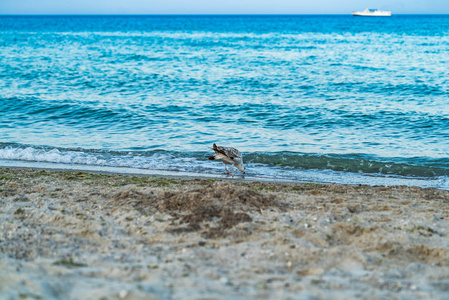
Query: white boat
{"type": "Point", "coordinates": [372, 13]}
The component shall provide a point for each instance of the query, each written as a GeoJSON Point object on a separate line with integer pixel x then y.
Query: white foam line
{"type": "Point", "coordinates": [308, 178]}
{"type": "Point", "coordinates": [129, 171]}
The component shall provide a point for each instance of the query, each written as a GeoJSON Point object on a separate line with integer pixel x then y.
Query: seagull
{"type": "Point", "coordinates": [228, 156]}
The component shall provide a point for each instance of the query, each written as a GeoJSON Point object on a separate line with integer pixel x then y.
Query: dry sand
{"type": "Point", "coordinates": [72, 235]}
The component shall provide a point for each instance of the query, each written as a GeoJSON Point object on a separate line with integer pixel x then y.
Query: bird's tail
{"type": "Point", "coordinates": [211, 157]}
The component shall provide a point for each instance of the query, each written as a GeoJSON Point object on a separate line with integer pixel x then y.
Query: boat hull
{"type": "Point", "coordinates": [371, 13]}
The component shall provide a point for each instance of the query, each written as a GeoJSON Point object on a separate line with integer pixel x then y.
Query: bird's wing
{"type": "Point", "coordinates": [228, 151]}
{"type": "Point", "coordinates": [231, 152]}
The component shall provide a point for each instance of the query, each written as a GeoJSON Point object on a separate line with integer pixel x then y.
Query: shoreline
{"type": "Point", "coordinates": [84, 235]}
{"type": "Point", "coordinates": [365, 179]}
{"type": "Point", "coordinates": [139, 172]}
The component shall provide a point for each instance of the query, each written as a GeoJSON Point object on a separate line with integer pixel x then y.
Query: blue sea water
{"type": "Point", "coordinates": [321, 98]}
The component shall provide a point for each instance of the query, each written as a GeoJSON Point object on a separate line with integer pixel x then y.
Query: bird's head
{"type": "Point", "coordinates": [240, 167]}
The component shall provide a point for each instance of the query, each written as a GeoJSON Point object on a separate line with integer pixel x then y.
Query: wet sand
{"type": "Point", "coordinates": [77, 235]}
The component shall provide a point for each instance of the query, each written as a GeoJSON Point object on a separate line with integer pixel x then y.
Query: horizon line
{"type": "Point", "coordinates": [204, 14]}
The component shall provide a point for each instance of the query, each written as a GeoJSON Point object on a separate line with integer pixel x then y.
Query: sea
{"type": "Point", "coordinates": [305, 98]}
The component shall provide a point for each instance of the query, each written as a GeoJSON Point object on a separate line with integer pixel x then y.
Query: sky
{"type": "Point", "coordinates": [219, 6]}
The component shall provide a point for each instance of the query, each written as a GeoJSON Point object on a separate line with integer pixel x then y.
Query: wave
{"type": "Point", "coordinates": [356, 163]}
{"type": "Point", "coordinates": [258, 163]}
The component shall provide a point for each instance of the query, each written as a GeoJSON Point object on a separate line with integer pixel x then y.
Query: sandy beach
{"type": "Point", "coordinates": [78, 235]}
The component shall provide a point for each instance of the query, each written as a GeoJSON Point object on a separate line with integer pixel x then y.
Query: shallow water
{"type": "Point", "coordinates": [335, 97]}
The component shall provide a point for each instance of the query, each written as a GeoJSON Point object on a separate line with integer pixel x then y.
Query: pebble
{"type": "Point", "coordinates": [123, 294]}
